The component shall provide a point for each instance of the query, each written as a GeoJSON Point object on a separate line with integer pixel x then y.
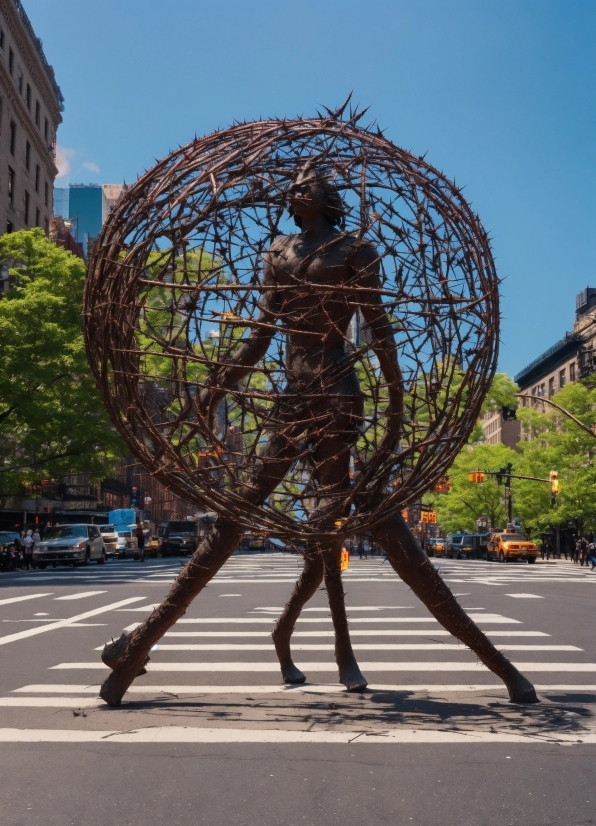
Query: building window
{"type": "Point", "coordinates": [47, 226]}
{"type": "Point", "coordinates": [27, 155]}
{"type": "Point", "coordinates": [9, 226]}
{"type": "Point", "coordinates": [11, 186]}
{"type": "Point", "coordinates": [562, 379]}
{"type": "Point", "coordinates": [37, 174]}
{"type": "Point", "coordinates": [572, 371]}
{"type": "Point", "coordinates": [551, 386]}
{"type": "Point", "coordinates": [20, 82]}
{"type": "Point", "coordinates": [541, 390]}
{"type": "Point", "coordinates": [27, 205]}
{"type": "Point", "coordinates": [37, 113]}
{"type": "Point", "coordinates": [10, 61]}
{"type": "Point", "coordinates": [46, 129]}
{"type": "Point", "coordinates": [28, 97]}
{"type": "Point", "coordinates": [13, 136]}
{"type": "Point", "coordinates": [46, 193]}
{"type": "Point", "coordinates": [37, 216]}
{"type": "Point", "coordinates": [1, 38]}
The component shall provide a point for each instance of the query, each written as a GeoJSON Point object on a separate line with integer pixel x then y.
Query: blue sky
{"type": "Point", "coordinates": [501, 94]}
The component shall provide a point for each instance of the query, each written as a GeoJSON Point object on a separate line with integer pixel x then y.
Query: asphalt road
{"type": "Point", "coordinates": [209, 736]}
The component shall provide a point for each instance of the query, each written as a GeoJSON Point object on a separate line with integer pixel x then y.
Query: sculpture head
{"type": "Point", "coordinates": [314, 190]}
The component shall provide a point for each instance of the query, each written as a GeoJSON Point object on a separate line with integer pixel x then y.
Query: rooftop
{"type": "Point", "coordinates": [39, 48]}
{"type": "Point", "coordinates": [549, 359]}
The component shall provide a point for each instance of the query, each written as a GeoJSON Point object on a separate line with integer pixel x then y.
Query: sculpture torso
{"type": "Point", "coordinates": [317, 297]}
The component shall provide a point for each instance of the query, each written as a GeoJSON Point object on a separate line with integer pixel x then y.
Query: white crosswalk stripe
{"type": "Point", "coordinates": [219, 647]}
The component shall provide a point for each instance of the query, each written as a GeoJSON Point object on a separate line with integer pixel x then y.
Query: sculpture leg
{"type": "Point", "coordinates": [129, 654]}
{"type": "Point", "coordinates": [310, 579]}
{"type": "Point", "coordinates": [414, 567]}
{"type": "Point", "coordinates": [349, 672]}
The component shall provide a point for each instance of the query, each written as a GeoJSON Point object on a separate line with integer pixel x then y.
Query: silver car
{"type": "Point", "coordinates": [70, 544]}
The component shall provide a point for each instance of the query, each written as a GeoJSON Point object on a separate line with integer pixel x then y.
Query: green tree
{"type": "Point", "coordinates": [459, 509]}
{"type": "Point", "coordinates": [558, 443]}
{"type": "Point", "coordinates": [52, 420]}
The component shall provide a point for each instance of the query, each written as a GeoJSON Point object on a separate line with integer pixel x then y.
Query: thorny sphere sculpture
{"type": "Point", "coordinates": [176, 286]}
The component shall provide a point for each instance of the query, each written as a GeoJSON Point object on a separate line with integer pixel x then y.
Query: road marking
{"type": "Point", "coordinates": [230, 595]}
{"type": "Point", "coordinates": [184, 734]}
{"type": "Point", "coordinates": [524, 596]}
{"type": "Point", "coordinates": [23, 599]}
{"type": "Point", "coordinates": [333, 688]}
{"type": "Point", "coordinates": [396, 646]}
{"type": "Point", "coordinates": [492, 619]}
{"type": "Point", "coordinates": [321, 666]}
{"type": "Point", "coordinates": [82, 595]}
{"type": "Point", "coordinates": [31, 632]}
{"type": "Point", "coordinates": [373, 632]}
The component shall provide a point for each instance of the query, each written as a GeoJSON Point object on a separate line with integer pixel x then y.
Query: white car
{"type": "Point", "coordinates": [70, 544]}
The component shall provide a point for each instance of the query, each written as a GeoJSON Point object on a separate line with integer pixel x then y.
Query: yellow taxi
{"type": "Point", "coordinates": [508, 546]}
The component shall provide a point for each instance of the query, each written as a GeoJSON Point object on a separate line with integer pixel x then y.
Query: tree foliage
{"type": "Point", "coordinates": [52, 420]}
{"type": "Point", "coordinates": [551, 441]}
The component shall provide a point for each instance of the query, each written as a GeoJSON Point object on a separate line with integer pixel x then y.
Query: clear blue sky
{"type": "Point", "coordinates": [501, 94]}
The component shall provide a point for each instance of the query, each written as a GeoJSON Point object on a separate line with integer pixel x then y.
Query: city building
{"type": "Point", "coordinates": [570, 358]}
{"type": "Point", "coordinates": [61, 235]}
{"type": "Point", "coordinates": [61, 202]}
{"type": "Point", "coordinates": [85, 210]}
{"type": "Point", "coordinates": [498, 431]}
{"type": "Point", "coordinates": [111, 196]}
{"type": "Point", "coordinates": [31, 106]}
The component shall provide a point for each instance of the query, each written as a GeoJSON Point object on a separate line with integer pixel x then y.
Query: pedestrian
{"type": "Point", "coordinates": [583, 551]}
{"type": "Point", "coordinates": [592, 554]}
{"type": "Point", "coordinates": [575, 552]}
{"type": "Point", "coordinates": [27, 545]}
{"type": "Point", "coordinates": [141, 541]}
{"type": "Point", "coordinates": [542, 548]}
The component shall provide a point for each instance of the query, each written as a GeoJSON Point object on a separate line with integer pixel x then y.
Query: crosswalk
{"type": "Point", "coordinates": [226, 655]}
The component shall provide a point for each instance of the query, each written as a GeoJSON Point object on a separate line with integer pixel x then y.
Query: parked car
{"type": "Point", "coordinates": [507, 547]}
{"type": "Point", "coordinates": [70, 544]}
{"type": "Point", "coordinates": [126, 541]}
{"type": "Point", "coordinates": [180, 538]}
{"type": "Point", "coordinates": [435, 546]}
{"type": "Point", "coordinates": [110, 539]}
{"type": "Point", "coordinates": [466, 545]}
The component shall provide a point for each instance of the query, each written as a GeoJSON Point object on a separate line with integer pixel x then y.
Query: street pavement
{"type": "Point", "coordinates": [210, 736]}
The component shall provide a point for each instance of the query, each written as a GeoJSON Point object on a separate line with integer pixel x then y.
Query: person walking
{"type": "Point", "coordinates": [583, 551]}
{"type": "Point", "coordinates": [591, 554]}
{"type": "Point", "coordinates": [27, 545]}
{"type": "Point", "coordinates": [140, 533]}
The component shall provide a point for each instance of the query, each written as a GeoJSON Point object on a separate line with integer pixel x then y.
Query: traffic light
{"type": "Point", "coordinates": [509, 413]}
{"type": "Point", "coordinates": [442, 486]}
{"type": "Point", "coordinates": [404, 514]}
{"type": "Point", "coordinates": [476, 476]}
{"type": "Point", "coordinates": [554, 486]}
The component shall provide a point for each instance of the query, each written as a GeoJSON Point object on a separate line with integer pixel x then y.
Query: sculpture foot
{"type": "Point", "coordinates": [291, 674]}
{"type": "Point", "coordinates": [352, 677]}
{"type": "Point", "coordinates": [114, 688]}
{"type": "Point", "coordinates": [521, 690]}
{"type": "Point", "coordinates": [115, 654]}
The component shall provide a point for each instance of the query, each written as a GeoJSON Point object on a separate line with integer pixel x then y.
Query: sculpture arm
{"type": "Point", "coordinates": [366, 264]}
{"type": "Point", "coordinates": [223, 378]}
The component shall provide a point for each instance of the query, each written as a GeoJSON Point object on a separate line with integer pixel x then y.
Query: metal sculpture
{"type": "Point", "coordinates": [309, 385]}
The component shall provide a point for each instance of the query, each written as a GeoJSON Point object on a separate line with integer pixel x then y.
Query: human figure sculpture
{"type": "Point", "coordinates": [314, 282]}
